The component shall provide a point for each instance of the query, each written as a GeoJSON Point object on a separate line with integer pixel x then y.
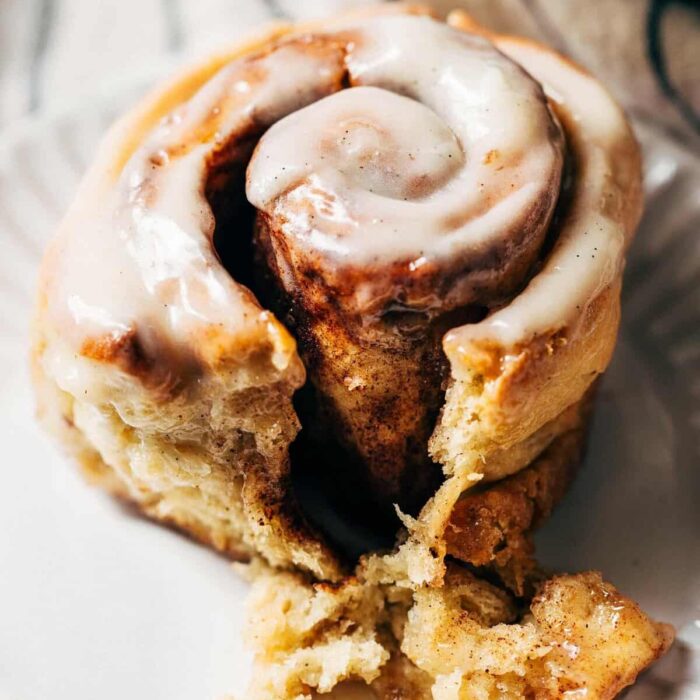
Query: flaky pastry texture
{"type": "Point", "coordinates": [465, 640]}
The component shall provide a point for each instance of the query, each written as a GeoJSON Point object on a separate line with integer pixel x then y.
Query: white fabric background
{"type": "Point", "coordinates": [58, 54]}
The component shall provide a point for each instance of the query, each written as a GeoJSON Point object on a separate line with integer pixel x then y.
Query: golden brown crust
{"type": "Point", "coordinates": [492, 526]}
{"type": "Point", "coordinates": [401, 679]}
{"type": "Point", "coordinates": [190, 460]}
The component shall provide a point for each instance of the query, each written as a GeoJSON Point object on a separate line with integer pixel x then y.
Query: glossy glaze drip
{"type": "Point", "coordinates": [143, 259]}
{"type": "Point", "coordinates": [482, 136]}
{"type": "Point", "coordinates": [589, 251]}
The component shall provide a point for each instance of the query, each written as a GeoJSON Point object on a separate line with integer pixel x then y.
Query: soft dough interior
{"type": "Point", "coordinates": [465, 640]}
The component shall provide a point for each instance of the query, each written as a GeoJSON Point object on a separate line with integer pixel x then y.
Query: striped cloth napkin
{"type": "Point", "coordinates": [55, 54]}
{"type": "Point", "coordinates": [58, 54]}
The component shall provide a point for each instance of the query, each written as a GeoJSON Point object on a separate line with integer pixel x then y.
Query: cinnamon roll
{"type": "Point", "coordinates": [403, 237]}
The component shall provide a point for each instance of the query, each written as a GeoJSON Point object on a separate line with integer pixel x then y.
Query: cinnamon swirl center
{"type": "Point", "coordinates": [430, 183]}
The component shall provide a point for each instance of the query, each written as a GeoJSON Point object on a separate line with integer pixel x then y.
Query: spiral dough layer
{"type": "Point", "coordinates": [440, 220]}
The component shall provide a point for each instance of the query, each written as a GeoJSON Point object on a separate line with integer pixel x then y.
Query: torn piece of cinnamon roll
{"type": "Point", "coordinates": [576, 636]}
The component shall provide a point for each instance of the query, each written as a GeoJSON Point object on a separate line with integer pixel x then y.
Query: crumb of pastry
{"type": "Point", "coordinates": [467, 639]}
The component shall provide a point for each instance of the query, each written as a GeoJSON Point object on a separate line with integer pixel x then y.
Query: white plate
{"type": "Point", "coordinates": [95, 602]}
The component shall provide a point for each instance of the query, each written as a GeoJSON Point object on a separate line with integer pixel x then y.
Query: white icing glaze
{"type": "Point", "coordinates": [589, 250]}
{"type": "Point", "coordinates": [447, 153]}
{"type": "Point", "coordinates": [140, 255]}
